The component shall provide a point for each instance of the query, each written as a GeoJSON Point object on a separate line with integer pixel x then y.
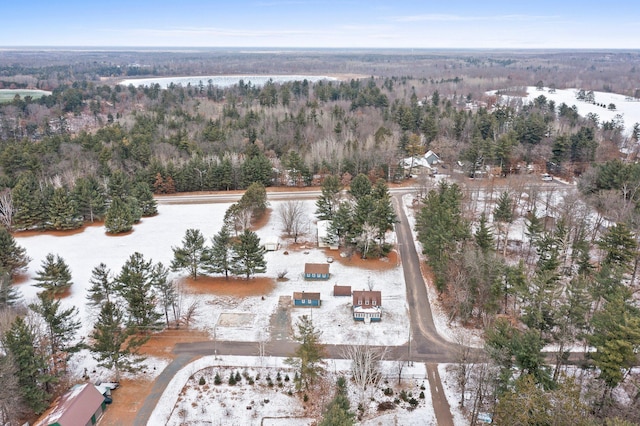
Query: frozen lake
{"type": "Point", "coordinates": [222, 80]}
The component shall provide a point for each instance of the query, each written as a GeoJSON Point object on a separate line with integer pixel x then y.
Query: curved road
{"type": "Point", "coordinates": [426, 344]}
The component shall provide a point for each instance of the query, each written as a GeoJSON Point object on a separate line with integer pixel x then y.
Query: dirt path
{"type": "Point", "coordinates": [280, 321]}
{"type": "Point", "coordinates": [439, 400]}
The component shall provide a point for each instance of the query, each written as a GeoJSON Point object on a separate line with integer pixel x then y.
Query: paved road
{"type": "Point", "coordinates": [426, 344]}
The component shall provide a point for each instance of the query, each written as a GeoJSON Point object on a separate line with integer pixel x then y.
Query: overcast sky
{"type": "Point", "coordinates": [584, 24]}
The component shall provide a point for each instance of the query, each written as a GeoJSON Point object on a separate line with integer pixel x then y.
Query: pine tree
{"type": "Point", "coordinates": [54, 276]}
{"type": "Point", "coordinates": [90, 199]}
{"type": "Point", "coordinates": [360, 186]}
{"type": "Point", "coordinates": [309, 355]}
{"type": "Point", "coordinates": [119, 185]}
{"type": "Point", "coordinates": [383, 216]}
{"type": "Point", "coordinates": [503, 214]}
{"type": "Point", "coordinates": [146, 202]}
{"type": "Point", "coordinates": [115, 345]}
{"type": "Point", "coordinates": [119, 217]}
{"type": "Point", "coordinates": [13, 258]}
{"type": "Point", "coordinates": [342, 224]}
{"type": "Point", "coordinates": [191, 255]}
{"type": "Point", "coordinates": [619, 246]}
{"type": "Point", "coordinates": [441, 227]}
{"type": "Point", "coordinates": [254, 199]}
{"type": "Point", "coordinates": [166, 291]}
{"type": "Point", "coordinates": [136, 285]}
{"type": "Point", "coordinates": [33, 377]}
{"type": "Point", "coordinates": [248, 255]}
{"type": "Point", "coordinates": [483, 235]}
{"type": "Point", "coordinates": [102, 286]}
{"type": "Point", "coordinates": [8, 294]}
{"type": "Point", "coordinates": [256, 167]}
{"type": "Point", "coordinates": [63, 211]}
{"type": "Point", "coordinates": [219, 257]}
{"type": "Point", "coordinates": [61, 326]}
{"type": "Point", "coordinates": [328, 202]}
{"type": "Point", "coordinates": [337, 412]}
{"type": "Point", "coordinates": [29, 202]}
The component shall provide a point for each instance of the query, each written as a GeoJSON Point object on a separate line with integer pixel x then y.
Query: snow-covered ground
{"type": "Point", "coordinates": [628, 109]}
{"type": "Point", "coordinates": [185, 401]}
{"type": "Point", "coordinates": [155, 236]}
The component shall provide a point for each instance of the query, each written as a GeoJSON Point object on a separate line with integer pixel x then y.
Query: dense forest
{"type": "Point", "coordinates": [95, 150]}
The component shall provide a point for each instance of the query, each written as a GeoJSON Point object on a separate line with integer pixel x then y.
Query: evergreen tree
{"type": "Point", "coordinates": [503, 214]}
{"type": "Point", "coordinates": [441, 227]}
{"type": "Point", "coordinates": [119, 217]}
{"type": "Point", "coordinates": [256, 167]}
{"type": "Point", "coordinates": [383, 216]}
{"type": "Point", "coordinates": [61, 326]}
{"type": "Point", "coordinates": [8, 294]}
{"type": "Point", "coordinates": [191, 255]}
{"type": "Point", "coordinates": [102, 286]}
{"type": "Point", "coordinates": [29, 202]}
{"type": "Point", "coordinates": [616, 337]}
{"type": "Point", "coordinates": [219, 259]}
{"type": "Point", "coordinates": [119, 185]}
{"type": "Point", "coordinates": [308, 358]}
{"type": "Point", "coordinates": [115, 345]}
{"type": "Point", "coordinates": [328, 202]}
{"type": "Point", "coordinates": [33, 376]}
{"type": "Point", "coordinates": [619, 246]}
{"type": "Point", "coordinates": [360, 186]}
{"type": "Point", "coordinates": [136, 284]}
{"type": "Point", "coordinates": [254, 199]}
{"type": "Point", "coordinates": [63, 211]}
{"type": "Point", "coordinates": [13, 258]}
{"type": "Point", "coordinates": [483, 235]}
{"type": "Point", "coordinates": [147, 204]}
{"type": "Point", "coordinates": [90, 199]}
{"type": "Point", "coordinates": [166, 291]}
{"type": "Point", "coordinates": [248, 255]}
{"type": "Point", "coordinates": [54, 276]}
{"type": "Point", "coordinates": [342, 224]}
{"type": "Point", "coordinates": [337, 413]}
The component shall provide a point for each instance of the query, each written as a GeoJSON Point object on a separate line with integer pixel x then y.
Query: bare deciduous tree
{"type": "Point", "coordinates": [291, 214]}
{"type": "Point", "coordinates": [6, 209]}
{"type": "Point", "coordinates": [365, 366]}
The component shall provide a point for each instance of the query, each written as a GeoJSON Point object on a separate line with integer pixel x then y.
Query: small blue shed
{"type": "Point", "coordinates": [316, 271]}
{"type": "Point", "coordinates": [306, 299]}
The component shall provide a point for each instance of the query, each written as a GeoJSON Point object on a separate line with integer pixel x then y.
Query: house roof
{"type": "Point", "coordinates": [342, 290]}
{"type": "Point", "coordinates": [316, 268]}
{"type": "Point", "coordinates": [299, 295]}
{"type": "Point", "coordinates": [361, 296]}
{"type": "Point", "coordinates": [75, 407]}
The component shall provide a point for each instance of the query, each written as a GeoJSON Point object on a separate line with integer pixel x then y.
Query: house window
{"type": "Point", "coordinates": [313, 275]}
{"type": "Point", "coordinates": [373, 302]}
{"type": "Point", "coordinates": [359, 302]}
{"type": "Point", "coordinates": [308, 301]}
{"type": "Point", "coordinates": [366, 302]}
{"type": "Point", "coordinates": [303, 301]}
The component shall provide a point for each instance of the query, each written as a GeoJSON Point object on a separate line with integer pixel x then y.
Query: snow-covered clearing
{"type": "Point", "coordinates": [628, 109]}
{"type": "Point", "coordinates": [185, 401]}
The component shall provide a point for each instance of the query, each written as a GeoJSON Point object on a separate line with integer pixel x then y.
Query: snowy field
{"type": "Point", "coordinates": [628, 109]}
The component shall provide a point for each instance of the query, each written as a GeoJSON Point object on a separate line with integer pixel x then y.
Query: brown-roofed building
{"type": "Point", "coordinates": [367, 305]}
{"type": "Point", "coordinates": [302, 298]}
{"type": "Point", "coordinates": [82, 405]}
{"type": "Point", "coordinates": [341, 290]}
{"type": "Point", "coordinates": [316, 271]}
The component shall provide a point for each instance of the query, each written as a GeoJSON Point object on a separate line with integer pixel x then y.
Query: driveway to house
{"type": "Point", "coordinates": [426, 344]}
